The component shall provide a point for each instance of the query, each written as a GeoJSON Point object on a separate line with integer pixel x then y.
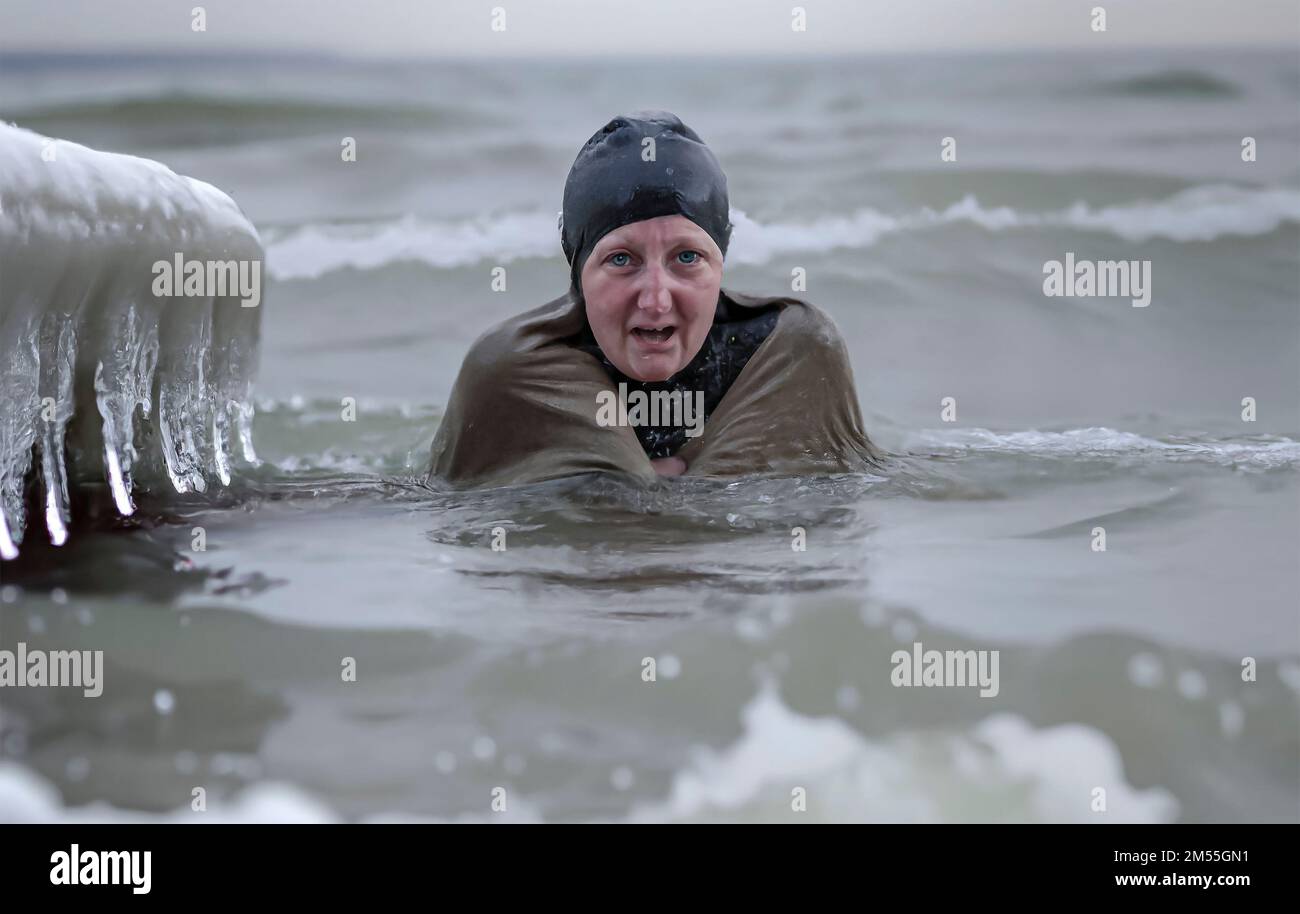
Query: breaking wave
{"type": "Point", "coordinates": [1198, 214]}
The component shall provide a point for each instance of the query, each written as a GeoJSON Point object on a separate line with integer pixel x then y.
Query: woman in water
{"type": "Point", "coordinates": [647, 366]}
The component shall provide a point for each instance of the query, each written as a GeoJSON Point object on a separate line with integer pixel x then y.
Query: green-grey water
{"type": "Point", "coordinates": [522, 668]}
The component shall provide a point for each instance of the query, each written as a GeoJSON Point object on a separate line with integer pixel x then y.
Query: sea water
{"type": "Point", "coordinates": [1078, 486]}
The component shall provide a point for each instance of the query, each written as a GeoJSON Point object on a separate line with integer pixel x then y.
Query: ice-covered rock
{"type": "Point", "coordinates": [106, 370]}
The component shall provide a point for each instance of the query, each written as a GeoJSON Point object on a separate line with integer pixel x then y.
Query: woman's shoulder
{"type": "Point", "coordinates": [515, 337]}
{"type": "Point", "coordinates": [800, 321]}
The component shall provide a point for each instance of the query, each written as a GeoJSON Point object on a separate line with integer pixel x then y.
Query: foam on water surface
{"type": "Point", "coordinates": [1259, 452]}
{"type": "Point", "coordinates": [1001, 769]}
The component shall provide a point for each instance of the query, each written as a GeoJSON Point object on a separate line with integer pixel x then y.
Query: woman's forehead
{"type": "Point", "coordinates": [669, 229]}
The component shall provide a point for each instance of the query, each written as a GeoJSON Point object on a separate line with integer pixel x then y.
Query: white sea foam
{"type": "Point", "coordinates": [27, 798]}
{"type": "Point", "coordinates": [80, 231]}
{"type": "Point", "coordinates": [313, 250]}
{"type": "Point", "coordinates": [1197, 214]}
{"type": "Point", "coordinates": [1264, 452]}
{"type": "Point", "coordinates": [1003, 769]}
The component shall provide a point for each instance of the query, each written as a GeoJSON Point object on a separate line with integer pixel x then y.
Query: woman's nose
{"type": "Point", "coordinates": [654, 294]}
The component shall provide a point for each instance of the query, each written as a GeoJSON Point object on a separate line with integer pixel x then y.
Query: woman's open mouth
{"type": "Point", "coordinates": [653, 336]}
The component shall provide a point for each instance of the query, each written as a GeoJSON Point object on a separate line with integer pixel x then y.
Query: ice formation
{"type": "Point", "coordinates": [101, 378]}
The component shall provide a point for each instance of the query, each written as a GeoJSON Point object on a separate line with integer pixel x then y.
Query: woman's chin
{"type": "Point", "coordinates": [653, 369]}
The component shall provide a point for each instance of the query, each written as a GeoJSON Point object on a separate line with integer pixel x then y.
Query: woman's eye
{"type": "Point", "coordinates": [689, 256]}
{"type": "Point", "coordinates": [620, 259]}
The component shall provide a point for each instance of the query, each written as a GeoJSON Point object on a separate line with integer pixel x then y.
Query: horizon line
{"type": "Point", "coordinates": [325, 54]}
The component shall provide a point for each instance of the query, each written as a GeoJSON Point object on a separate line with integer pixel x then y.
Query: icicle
{"type": "Point", "coordinates": [234, 365]}
{"type": "Point", "coordinates": [123, 383]}
{"type": "Point", "coordinates": [8, 548]}
{"type": "Point", "coordinates": [58, 348]}
{"type": "Point", "coordinates": [18, 393]}
{"type": "Point", "coordinates": [184, 397]}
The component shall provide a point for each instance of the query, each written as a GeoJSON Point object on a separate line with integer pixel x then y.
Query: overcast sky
{"type": "Point", "coordinates": [441, 28]}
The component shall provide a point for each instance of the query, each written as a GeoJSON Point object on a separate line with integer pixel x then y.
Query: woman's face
{"type": "Point", "coordinates": [652, 291]}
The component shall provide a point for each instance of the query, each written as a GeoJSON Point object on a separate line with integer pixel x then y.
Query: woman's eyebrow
{"type": "Point", "coordinates": [693, 240]}
{"type": "Point", "coordinates": [608, 243]}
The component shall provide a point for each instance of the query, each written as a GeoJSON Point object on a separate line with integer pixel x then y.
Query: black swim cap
{"type": "Point", "coordinates": [612, 184]}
